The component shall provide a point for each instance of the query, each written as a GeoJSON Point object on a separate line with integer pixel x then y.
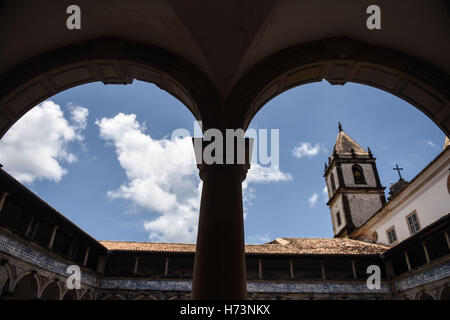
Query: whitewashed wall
{"type": "Point", "coordinates": [428, 196]}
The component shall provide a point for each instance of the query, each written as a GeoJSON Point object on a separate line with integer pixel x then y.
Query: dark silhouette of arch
{"type": "Point", "coordinates": [51, 292]}
{"type": "Point", "coordinates": [25, 289]}
{"type": "Point", "coordinates": [70, 295]}
{"type": "Point", "coordinates": [111, 61]}
{"type": "Point", "coordinates": [425, 296]}
{"type": "Point", "coordinates": [342, 60]}
{"type": "Point", "coordinates": [445, 294]}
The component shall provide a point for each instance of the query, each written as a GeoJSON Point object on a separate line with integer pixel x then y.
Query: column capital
{"type": "Point", "coordinates": [229, 155]}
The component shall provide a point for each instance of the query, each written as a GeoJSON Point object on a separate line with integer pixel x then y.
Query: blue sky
{"type": "Point", "coordinates": [101, 156]}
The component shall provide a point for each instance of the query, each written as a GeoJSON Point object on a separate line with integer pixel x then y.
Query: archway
{"type": "Point", "coordinates": [51, 292]}
{"type": "Point", "coordinates": [425, 296]}
{"type": "Point", "coordinates": [111, 61]}
{"type": "Point", "coordinates": [342, 60]}
{"type": "Point", "coordinates": [70, 295]}
{"type": "Point", "coordinates": [113, 297]}
{"type": "Point", "coordinates": [445, 294]}
{"type": "Point", "coordinates": [25, 289]}
{"type": "Point", "coordinates": [88, 295]}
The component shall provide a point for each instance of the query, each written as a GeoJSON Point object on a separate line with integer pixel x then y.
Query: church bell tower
{"type": "Point", "coordinates": [354, 189]}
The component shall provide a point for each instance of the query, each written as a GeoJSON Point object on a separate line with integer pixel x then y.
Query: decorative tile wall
{"type": "Point", "coordinates": [30, 255]}
{"type": "Point", "coordinates": [437, 273]}
{"type": "Point", "coordinates": [256, 287]}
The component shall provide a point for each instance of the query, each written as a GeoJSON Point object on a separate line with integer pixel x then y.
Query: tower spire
{"type": "Point", "coordinates": [339, 126]}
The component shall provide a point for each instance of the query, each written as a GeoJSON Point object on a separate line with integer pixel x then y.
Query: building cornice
{"type": "Point", "coordinates": [409, 191]}
{"type": "Point", "coordinates": [353, 190]}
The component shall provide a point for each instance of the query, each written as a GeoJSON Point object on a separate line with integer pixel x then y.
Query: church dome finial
{"type": "Point", "coordinates": [339, 126]}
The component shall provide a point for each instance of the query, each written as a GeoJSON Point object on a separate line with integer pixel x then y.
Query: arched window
{"type": "Point", "coordinates": [338, 218]}
{"type": "Point", "coordinates": [358, 174]}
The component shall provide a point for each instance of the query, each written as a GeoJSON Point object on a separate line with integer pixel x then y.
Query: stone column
{"type": "Point", "coordinates": [101, 263]}
{"type": "Point", "coordinates": [408, 264]}
{"type": "Point", "coordinates": [136, 265]}
{"type": "Point", "coordinates": [324, 275]}
{"type": "Point", "coordinates": [447, 239]}
{"type": "Point", "coordinates": [219, 267]}
{"type": "Point", "coordinates": [355, 275]}
{"type": "Point", "coordinates": [425, 251]}
{"type": "Point", "coordinates": [3, 199]}
{"type": "Point", "coordinates": [260, 276]}
{"type": "Point", "coordinates": [86, 256]}
{"type": "Point", "coordinates": [166, 266]}
{"type": "Point", "coordinates": [52, 237]}
{"type": "Point", "coordinates": [291, 269]}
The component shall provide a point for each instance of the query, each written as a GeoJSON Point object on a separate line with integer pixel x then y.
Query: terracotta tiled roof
{"type": "Point", "coordinates": [149, 246]}
{"type": "Point", "coordinates": [289, 246]}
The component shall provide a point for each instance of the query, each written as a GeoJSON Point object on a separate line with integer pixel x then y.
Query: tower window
{"type": "Point", "coordinates": [358, 174]}
{"type": "Point", "coordinates": [333, 185]}
{"type": "Point", "coordinates": [338, 218]}
{"type": "Point", "coordinates": [413, 223]}
{"type": "Point", "coordinates": [392, 235]}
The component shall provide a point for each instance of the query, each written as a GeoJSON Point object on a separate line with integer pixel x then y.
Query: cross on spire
{"type": "Point", "coordinates": [398, 170]}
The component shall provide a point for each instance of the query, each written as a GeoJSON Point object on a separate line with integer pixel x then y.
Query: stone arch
{"type": "Point", "coordinates": [145, 297]}
{"type": "Point", "coordinates": [342, 60]}
{"type": "Point", "coordinates": [111, 61]}
{"type": "Point", "coordinates": [445, 293]}
{"type": "Point", "coordinates": [87, 295]}
{"type": "Point", "coordinates": [70, 295]}
{"type": "Point", "coordinates": [113, 296]}
{"type": "Point", "coordinates": [424, 296]}
{"type": "Point", "coordinates": [51, 290]}
{"type": "Point", "coordinates": [26, 287]}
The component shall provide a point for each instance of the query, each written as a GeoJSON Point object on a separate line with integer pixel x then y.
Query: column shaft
{"type": "Point", "coordinates": [3, 199]}
{"type": "Point", "coordinates": [260, 269]}
{"type": "Point", "coordinates": [219, 268]}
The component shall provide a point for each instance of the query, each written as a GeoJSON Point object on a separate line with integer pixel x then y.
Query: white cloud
{"type": "Point", "coordinates": [306, 149]}
{"type": "Point", "coordinates": [313, 199]}
{"type": "Point", "coordinates": [325, 193]}
{"type": "Point", "coordinates": [154, 180]}
{"type": "Point", "coordinates": [258, 173]}
{"type": "Point", "coordinates": [79, 116]}
{"type": "Point", "coordinates": [159, 180]}
{"type": "Point", "coordinates": [36, 145]}
{"type": "Point", "coordinates": [258, 239]}
{"type": "Point", "coordinates": [429, 142]}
